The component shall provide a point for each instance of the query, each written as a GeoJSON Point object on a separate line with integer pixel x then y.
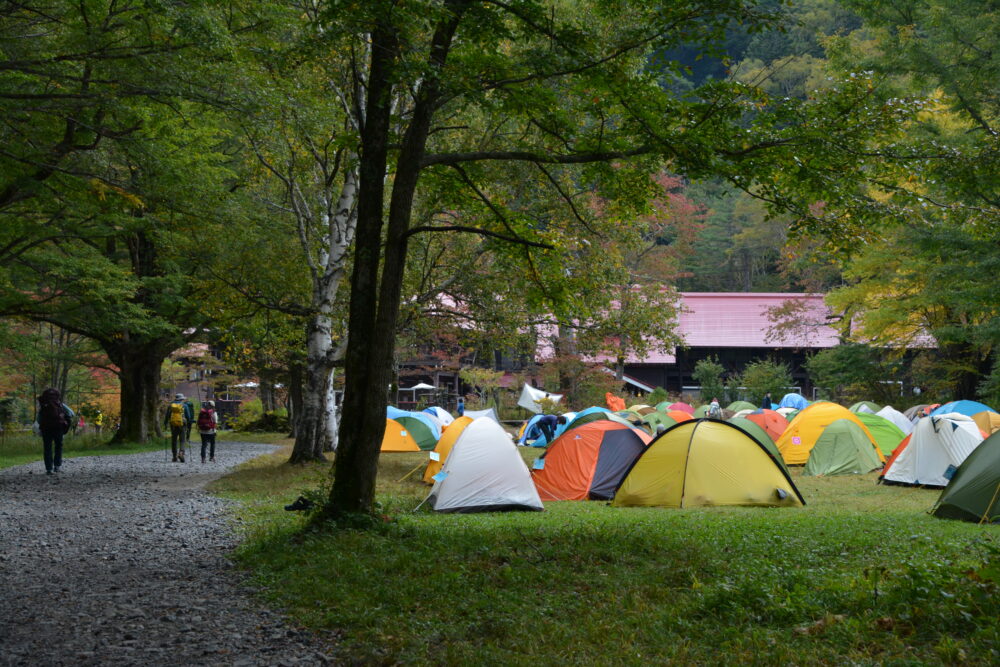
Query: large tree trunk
{"type": "Point", "coordinates": [374, 303]}
{"type": "Point", "coordinates": [139, 372]}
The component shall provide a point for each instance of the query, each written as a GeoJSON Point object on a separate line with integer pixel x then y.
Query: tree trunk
{"type": "Point", "coordinates": [139, 372]}
{"type": "Point", "coordinates": [310, 435]}
{"type": "Point", "coordinates": [330, 407]}
{"type": "Point", "coordinates": [374, 305]}
{"type": "Point", "coordinates": [295, 380]}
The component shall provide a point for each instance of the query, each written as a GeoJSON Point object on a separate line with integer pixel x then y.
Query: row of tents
{"type": "Point", "coordinates": [625, 456]}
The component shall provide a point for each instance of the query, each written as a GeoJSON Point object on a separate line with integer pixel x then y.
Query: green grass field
{"type": "Point", "coordinates": [861, 575]}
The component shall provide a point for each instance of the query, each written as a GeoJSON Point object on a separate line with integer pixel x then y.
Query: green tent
{"type": "Point", "coordinates": [701, 411]}
{"type": "Point", "coordinates": [842, 449]}
{"type": "Point", "coordinates": [874, 407]}
{"type": "Point", "coordinates": [654, 419]}
{"type": "Point", "coordinates": [736, 406]}
{"type": "Point", "coordinates": [887, 435]}
{"type": "Point", "coordinates": [761, 436]}
{"type": "Point", "coordinates": [420, 431]}
{"type": "Point", "coordinates": [973, 494]}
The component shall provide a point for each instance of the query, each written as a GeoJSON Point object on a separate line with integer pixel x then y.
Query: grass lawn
{"type": "Point", "coordinates": [27, 448]}
{"type": "Point", "coordinates": [860, 575]}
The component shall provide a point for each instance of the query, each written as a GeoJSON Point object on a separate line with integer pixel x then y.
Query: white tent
{"type": "Point", "coordinates": [530, 397]}
{"type": "Point", "coordinates": [484, 473]}
{"type": "Point", "coordinates": [488, 412]}
{"type": "Point", "coordinates": [937, 446]}
{"type": "Point", "coordinates": [440, 414]}
{"type": "Point", "coordinates": [897, 418]}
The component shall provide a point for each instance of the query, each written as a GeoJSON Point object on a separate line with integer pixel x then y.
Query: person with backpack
{"type": "Point", "coordinates": [179, 415]}
{"type": "Point", "coordinates": [54, 419]}
{"type": "Point", "coordinates": [714, 409]}
{"type": "Point", "coordinates": [207, 423]}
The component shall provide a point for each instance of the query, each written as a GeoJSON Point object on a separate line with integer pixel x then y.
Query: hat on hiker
{"type": "Point", "coordinates": [178, 396]}
{"type": "Point", "coordinates": [210, 404]}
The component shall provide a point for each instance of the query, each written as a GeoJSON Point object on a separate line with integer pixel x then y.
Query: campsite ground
{"type": "Point", "coordinates": [861, 574]}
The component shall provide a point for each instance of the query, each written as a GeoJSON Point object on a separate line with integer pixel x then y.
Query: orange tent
{"type": "Point", "coordinates": [397, 439]}
{"type": "Point", "coordinates": [679, 415]}
{"type": "Point", "coordinates": [443, 447]}
{"type": "Point", "coordinates": [769, 420]}
{"type": "Point", "coordinates": [588, 462]}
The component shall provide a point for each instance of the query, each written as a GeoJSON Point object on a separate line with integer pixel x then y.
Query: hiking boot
{"type": "Point", "coordinates": [56, 469]}
{"type": "Point", "coordinates": [180, 457]}
{"type": "Point", "coordinates": [203, 459]}
{"type": "Point", "coordinates": [48, 472]}
{"type": "Point", "coordinates": [212, 459]}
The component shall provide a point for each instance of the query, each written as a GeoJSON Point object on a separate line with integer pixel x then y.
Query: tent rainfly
{"type": "Point", "coordinates": [703, 463]}
{"type": "Point", "coordinates": [843, 448]}
{"type": "Point", "coordinates": [530, 397]}
{"type": "Point", "coordinates": [484, 473]}
{"type": "Point", "coordinates": [973, 494]}
{"type": "Point", "coordinates": [937, 446]}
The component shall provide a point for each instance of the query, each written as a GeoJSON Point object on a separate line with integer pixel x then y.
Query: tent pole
{"type": "Point", "coordinates": [419, 465]}
{"type": "Point", "coordinates": [982, 519]}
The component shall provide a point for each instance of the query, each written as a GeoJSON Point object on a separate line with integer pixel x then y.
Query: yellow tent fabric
{"type": "Point", "coordinates": [988, 422]}
{"type": "Point", "coordinates": [803, 431]}
{"type": "Point", "coordinates": [443, 447]}
{"type": "Point", "coordinates": [704, 463]}
{"type": "Point", "coordinates": [397, 438]}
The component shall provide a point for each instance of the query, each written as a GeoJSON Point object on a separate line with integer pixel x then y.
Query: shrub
{"type": "Point", "coordinates": [708, 373]}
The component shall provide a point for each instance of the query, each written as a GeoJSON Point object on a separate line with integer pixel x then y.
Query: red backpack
{"type": "Point", "coordinates": [206, 420]}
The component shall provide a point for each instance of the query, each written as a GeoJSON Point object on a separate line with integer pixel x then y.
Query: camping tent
{"type": "Point", "coordinates": [796, 401]}
{"type": "Point", "coordinates": [842, 449]}
{"type": "Point", "coordinates": [901, 421]}
{"type": "Point", "coordinates": [586, 416]}
{"type": "Point", "coordinates": [440, 414]}
{"type": "Point", "coordinates": [967, 408]}
{"type": "Point", "coordinates": [706, 462]}
{"type": "Point", "coordinates": [425, 430]}
{"type": "Point", "coordinates": [806, 427]}
{"type": "Point", "coordinates": [488, 412]}
{"type": "Point", "coordinates": [397, 438]}
{"type": "Point", "coordinates": [679, 405]}
{"type": "Point", "coordinates": [769, 420]}
{"type": "Point", "coordinates": [641, 409]}
{"type": "Point", "coordinates": [588, 462]}
{"type": "Point", "coordinates": [736, 406]}
{"type": "Point", "coordinates": [530, 397]}
{"type": "Point", "coordinates": [484, 473]}
{"type": "Point", "coordinates": [679, 415]}
{"type": "Point", "coordinates": [655, 419]}
{"type": "Point", "coordinates": [887, 435]}
{"type": "Point", "coordinates": [439, 455]}
{"type": "Point", "coordinates": [761, 436]}
{"type": "Point", "coordinates": [973, 494]}
{"type": "Point", "coordinates": [936, 447]}
{"type": "Point", "coordinates": [865, 406]}
{"type": "Point", "coordinates": [917, 411]}
{"type": "Point", "coordinates": [988, 422]}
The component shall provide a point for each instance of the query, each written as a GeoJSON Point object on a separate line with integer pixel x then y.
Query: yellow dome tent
{"type": "Point", "coordinates": [803, 431]}
{"type": "Point", "coordinates": [443, 447]}
{"type": "Point", "coordinates": [705, 463]}
{"type": "Point", "coordinates": [397, 438]}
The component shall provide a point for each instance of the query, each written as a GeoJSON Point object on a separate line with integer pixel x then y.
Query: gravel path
{"type": "Point", "coordinates": [122, 560]}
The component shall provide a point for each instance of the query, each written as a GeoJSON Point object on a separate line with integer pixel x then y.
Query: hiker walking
{"type": "Point", "coordinates": [54, 419]}
{"type": "Point", "coordinates": [189, 407]}
{"type": "Point", "coordinates": [207, 423]}
{"type": "Point", "coordinates": [179, 415]}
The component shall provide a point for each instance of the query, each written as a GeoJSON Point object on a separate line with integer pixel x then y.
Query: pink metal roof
{"type": "Point", "coordinates": [740, 319]}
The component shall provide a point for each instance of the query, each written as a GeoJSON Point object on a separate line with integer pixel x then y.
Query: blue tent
{"type": "Point", "coordinates": [793, 401]}
{"type": "Point", "coordinates": [967, 408]}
